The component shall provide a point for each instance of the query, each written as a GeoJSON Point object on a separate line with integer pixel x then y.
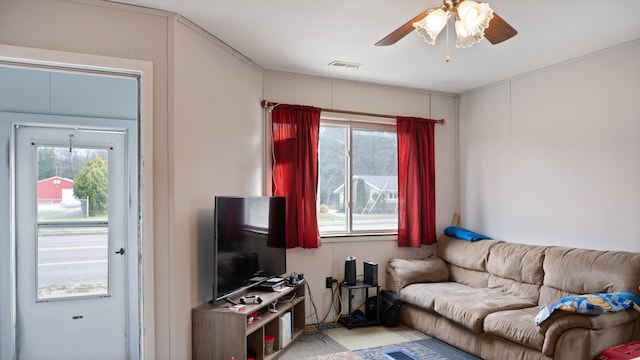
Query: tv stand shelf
{"type": "Point", "coordinates": [220, 333]}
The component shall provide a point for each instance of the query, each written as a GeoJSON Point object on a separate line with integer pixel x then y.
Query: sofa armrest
{"type": "Point", "coordinates": [557, 324]}
{"type": "Point", "coordinates": [403, 272]}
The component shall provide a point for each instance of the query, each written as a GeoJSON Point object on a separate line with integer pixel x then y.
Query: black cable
{"type": "Point", "coordinates": [339, 299]}
{"type": "Point", "coordinates": [313, 304]}
{"type": "Point", "coordinates": [333, 293]}
{"type": "Point", "coordinates": [334, 305]}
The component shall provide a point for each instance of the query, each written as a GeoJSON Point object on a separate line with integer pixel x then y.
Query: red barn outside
{"type": "Point", "coordinates": [55, 189]}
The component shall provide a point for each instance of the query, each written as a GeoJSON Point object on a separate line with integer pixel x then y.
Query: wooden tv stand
{"type": "Point", "coordinates": [220, 333]}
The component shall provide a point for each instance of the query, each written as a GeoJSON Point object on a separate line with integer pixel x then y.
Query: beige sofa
{"type": "Point", "coordinates": [483, 296]}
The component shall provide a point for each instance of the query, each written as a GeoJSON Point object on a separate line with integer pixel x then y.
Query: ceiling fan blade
{"type": "Point", "coordinates": [499, 30]}
{"type": "Point", "coordinates": [402, 31]}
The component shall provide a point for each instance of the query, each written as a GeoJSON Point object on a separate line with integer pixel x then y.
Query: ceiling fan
{"type": "Point", "coordinates": [473, 21]}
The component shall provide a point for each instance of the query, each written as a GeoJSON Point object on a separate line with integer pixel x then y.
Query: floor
{"type": "Point", "coordinates": [374, 342]}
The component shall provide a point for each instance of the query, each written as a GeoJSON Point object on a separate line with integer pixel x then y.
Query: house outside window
{"type": "Point", "coordinates": [358, 178]}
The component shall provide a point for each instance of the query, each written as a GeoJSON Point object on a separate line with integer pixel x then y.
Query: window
{"type": "Point", "coordinates": [73, 222]}
{"type": "Point", "coordinates": [358, 178]}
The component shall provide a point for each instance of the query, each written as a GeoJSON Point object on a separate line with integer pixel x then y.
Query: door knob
{"type": "Point", "coordinates": [121, 251]}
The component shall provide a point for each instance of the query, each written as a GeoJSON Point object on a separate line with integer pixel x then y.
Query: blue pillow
{"type": "Point", "coordinates": [464, 234]}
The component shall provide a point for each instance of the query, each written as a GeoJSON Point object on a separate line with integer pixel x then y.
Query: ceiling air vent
{"type": "Point", "coordinates": [345, 64]}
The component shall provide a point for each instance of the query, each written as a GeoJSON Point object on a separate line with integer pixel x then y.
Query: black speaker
{"type": "Point", "coordinates": [370, 273]}
{"type": "Point", "coordinates": [350, 270]}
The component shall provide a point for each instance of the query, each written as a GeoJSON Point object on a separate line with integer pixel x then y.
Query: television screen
{"type": "Point", "coordinates": [249, 242]}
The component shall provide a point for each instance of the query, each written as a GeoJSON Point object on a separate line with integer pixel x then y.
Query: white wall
{"type": "Point", "coordinates": [553, 157]}
{"type": "Point", "coordinates": [216, 132]}
{"type": "Point", "coordinates": [328, 260]}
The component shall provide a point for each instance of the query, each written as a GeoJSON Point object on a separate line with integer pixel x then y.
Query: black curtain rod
{"type": "Point", "coordinates": [266, 104]}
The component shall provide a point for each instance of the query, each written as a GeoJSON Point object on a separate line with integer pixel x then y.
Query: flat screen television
{"type": "Point", "coordinates": [249, 244]}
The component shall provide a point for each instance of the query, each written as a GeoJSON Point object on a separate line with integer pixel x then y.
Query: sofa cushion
{"type": "Point", "coordinates": [516, 269]}
{"type": "Point", "coordinates": [474, 278]}
{"type": "Point", "coordinates": [581, 271]}
{"type": "Point", "coordinates": [423, 295]}
{"type": "Point", "coordinates": [469, 306]}
{"type": "Point", "coordinates": [465, 254]}
{"type": "Point", "coordinates": [517, 262]}
{"type": "Point", "coordinates": [515, 325]}
{"type": "Point", "coordinates": [407, 272]}
{"type": "Point", "coordinates": [549, 295]}
{"type": "Point", "coordinates": [516, 288]}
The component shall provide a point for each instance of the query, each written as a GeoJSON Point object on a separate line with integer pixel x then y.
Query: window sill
{"type": "Point", "coordinates": [340, 238]}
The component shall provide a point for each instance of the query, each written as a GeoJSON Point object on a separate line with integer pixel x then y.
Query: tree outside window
{"type": "Point", "coordinates": [91, 183]}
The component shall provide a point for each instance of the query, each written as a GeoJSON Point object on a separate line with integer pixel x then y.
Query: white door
{"type": "Point", "coordinates": [71, 268]}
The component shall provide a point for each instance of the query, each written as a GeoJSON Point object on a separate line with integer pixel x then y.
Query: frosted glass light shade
{"type": "Point", "coordinates": [431, 26]}
{"type": "Point", "coordinates": [472, 20]}
{"type": "Point", "coordinates": [464, 38]}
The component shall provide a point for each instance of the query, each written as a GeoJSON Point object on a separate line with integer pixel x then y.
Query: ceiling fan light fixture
{"type": "Point", "coordinates": [472, 19]}
{"type": "Point", "coordinates": [430, 27]}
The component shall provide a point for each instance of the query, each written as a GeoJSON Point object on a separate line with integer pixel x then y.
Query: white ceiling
{"type": "Point", "coordinates": [303, 36]}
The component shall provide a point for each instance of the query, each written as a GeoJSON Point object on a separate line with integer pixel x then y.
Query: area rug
{"type": "Point", "coordinates": [366, 337]}
{"type": "Point", "coordinates": [432, 349]}
{"type": "Point", "coordinates": [375, 343]}
{"type": "Point", "coordinates": [412, 350]}
{"type": "Point", "coordinates": [317, 346]}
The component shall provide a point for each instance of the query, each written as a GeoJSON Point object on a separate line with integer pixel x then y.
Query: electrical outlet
{"type": "Point", "coordinates": [329, 282]}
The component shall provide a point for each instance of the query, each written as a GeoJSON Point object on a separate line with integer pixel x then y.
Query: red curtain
{"type": "Point", "coordinates": [295, 170]}
{"type": "Point", "coordinates": [416, 182]}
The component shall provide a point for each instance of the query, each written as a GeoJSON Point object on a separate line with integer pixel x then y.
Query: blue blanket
{"type": "Point", "coordinates": [464, 234]}
{"type": "Point", "coordinates": [591, 304]}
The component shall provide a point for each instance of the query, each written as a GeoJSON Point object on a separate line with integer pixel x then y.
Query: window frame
{"type": "Point", "coordinates": [352, 124]}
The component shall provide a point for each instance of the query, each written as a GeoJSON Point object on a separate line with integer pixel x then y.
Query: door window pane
{"type": "Point", "coordinates": [72, 228]}
{"type": "Point", "coordinates": [72, 261]}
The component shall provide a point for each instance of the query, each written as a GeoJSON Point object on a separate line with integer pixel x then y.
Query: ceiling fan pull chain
{"type": "Point", "coordinates": [448, 58]}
